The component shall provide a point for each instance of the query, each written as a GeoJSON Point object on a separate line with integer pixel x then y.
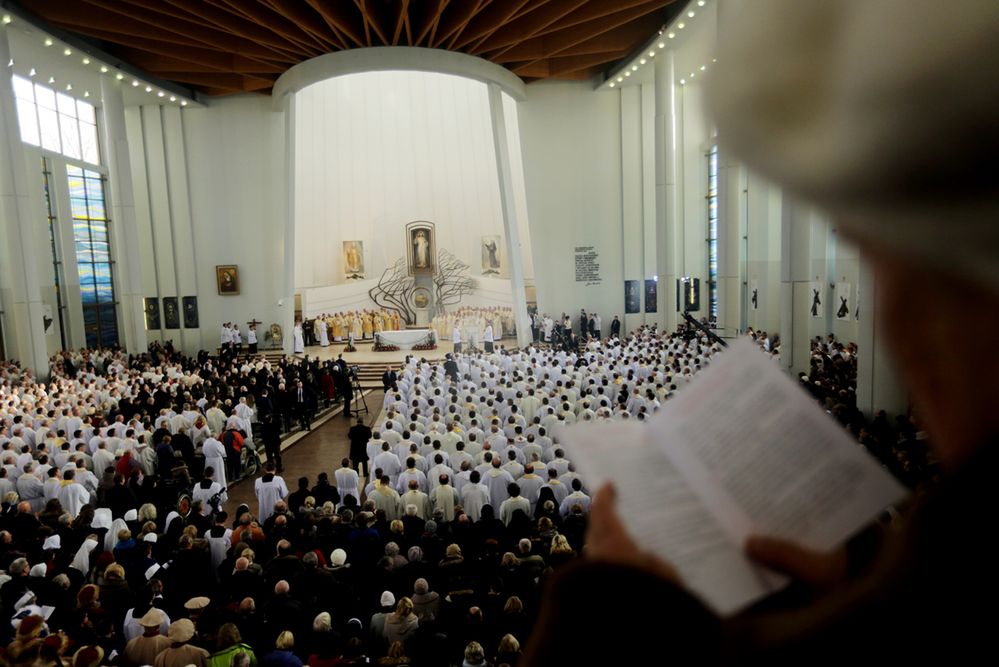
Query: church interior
{"type": "Point", "coordinates": [326, 327]}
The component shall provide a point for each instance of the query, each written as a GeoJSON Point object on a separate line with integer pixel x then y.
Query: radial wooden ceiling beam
{"type": "Point", "coordinates": [622, 37]}
{"type": "Point", "coordinates": [308, 22]}
{"type": "Point", "coordinates": [221, 19]}
{"type": "Point", "coordinates": [235, 82]}
{"type": "Point", "coordinates": [372, 17]}
{"type": "Point", "coordinates": [332, 13]}
{"type": "Point", "coordinates": [400, 20]}
{"type": "Point", "coordinates": [428, 23]}
{"type": "Point", "coordinates": [528, 26]}
{"type": "Point", "coordinates": [279, 25]}
{"type": "Point", "coordinates": [488, 20]}
{"type": "Point", "coordinates": [562, 66]}
{"type": "Point", "coordinates": [156, 62]}
{"type": "Point", "coordinates": [456, 18]}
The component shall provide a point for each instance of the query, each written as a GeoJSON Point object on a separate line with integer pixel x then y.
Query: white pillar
{"type": "Point", "coordinates": [501, 145]}
{"type": "Point", "coordinates": [22, 302]}
{"type": "Point", "coordinates": [125, 237]}
{"type": "Point", "coordinates": [878, 386]}
{"type": "Point", "coordinates": [795, 285]}
{"type": "Point", "coordinates": [287, 301]}
{"type": "Point", "coordinates": [669, 212]}
{"type": "Point", "coordinates": [729, 245]}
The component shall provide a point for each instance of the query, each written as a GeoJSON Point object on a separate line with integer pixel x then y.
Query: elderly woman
{"type": "Point", "coordinates": [402, 623]}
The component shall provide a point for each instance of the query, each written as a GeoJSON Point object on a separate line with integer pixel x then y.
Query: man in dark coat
{"type": "Point", "coordinates": [359, 434]}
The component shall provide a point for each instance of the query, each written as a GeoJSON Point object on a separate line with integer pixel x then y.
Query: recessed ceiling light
{"type": "Point", "coordinates": [662, 45]}
{"type": "Point", "coordinates": [51, 79]}
{"type": "Point", "coordinates": [703, 67]}
{"type": "Point", "coordinates": [173, 98]}
{"type": "Point", "coordinates": [69, 86]}
{"type": "Point", "coordinates": [683, 81]}
{"type": "Point", "coordinates": [627, 73]}
{"type": "Point", "coordinates": [691, 14]}
{"type": "Point", "coordinates": [160, 94]}
{"type": "Point", "coordinates": [183, 103]}
{"type": "Point", "coordinates": [67, 52]}
{"type": "Point", "coordinates": [634, 68]}
{"type": "Point", "coordinates": [611, 84]}
{"type": "Point", "coordinates": [104, 69]}
{"type": "Point", "coordinates": [672, 35]}
{"type": "Point", "coordinates": [135, 82]}
{"type": "Point", "coordinates": [48, 41]}
{"type": "Point", "coordinates": [32, 72]}
{"type": "Point", "coordinates": [700, 3]}
{"type": "Point", "coordinates": [692, 75]}
{"type": "Point", "coordinates": [119, 76]}
{"type": "Point", "coordinates": [652, 54]}
{"type": "Point", "coordinates": [86, 93]}
{"type": "Point", "coordinates": [620, 79]}
{"type": "Point", "coordinates": [149, 89]}
{"type": "Point", "coordinates": [643, 61]}
{"type": "Point", "coordinates": [714, 60]}
{"type": "Point", "coordinates": [86, 61]}
{"type": "Point", "coordinates": [681, 25]}
{"type": "Point", "coordinates": [7, 19]}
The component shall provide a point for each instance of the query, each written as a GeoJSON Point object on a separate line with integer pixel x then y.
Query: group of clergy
{"type": "Point", "coordinates": [472, 322]}
{"type": "Point", "coordinates": [361, 324]}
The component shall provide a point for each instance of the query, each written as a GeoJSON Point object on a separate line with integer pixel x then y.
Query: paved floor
{"type": "Point", "coordinates": [309, 453]}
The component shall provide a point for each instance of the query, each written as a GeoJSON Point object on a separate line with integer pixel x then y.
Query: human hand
{"type": "Point", "coordinates": [607, 539]}
{"type": "Point", "coordinates": [815, 569]}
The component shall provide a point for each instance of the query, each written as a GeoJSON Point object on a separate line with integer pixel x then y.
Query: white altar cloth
{"type": "Point", "coordinates": [405, 339]}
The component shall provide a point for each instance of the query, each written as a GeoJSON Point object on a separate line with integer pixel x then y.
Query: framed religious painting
{"type": "Point", "coordinates": [171, 312]}
{"type": "Point", "coordinates": [651, 295]}
{"type": "Point", "coordinates": [152, 308]}
{"type": "Point", "coordinates": [421, 248]}
{"type": "Point", "coordinates": [491, 259]}
{"type": "Point", "coordinates": [190, 305]}
{"type": "Point", "coordinates": [227, 277]}
{"type": "Point", "coordinates": [353, 260]}
{"type": "Point", "coordinates": [632, 298]}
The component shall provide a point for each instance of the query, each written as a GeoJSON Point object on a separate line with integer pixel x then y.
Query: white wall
{"type": "Point", "coordinates": [377, 150]}
{"type": "Point", "coordinates": [571, 142]}
{"type": "Point", "coordinates": [209, 190]}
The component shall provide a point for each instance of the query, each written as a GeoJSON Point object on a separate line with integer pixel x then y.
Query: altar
{"type": "Point", "coordinates": [406, 339]}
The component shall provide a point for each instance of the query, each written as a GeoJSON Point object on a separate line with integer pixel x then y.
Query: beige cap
{"type": "Point", "coordinates": [181, 630]}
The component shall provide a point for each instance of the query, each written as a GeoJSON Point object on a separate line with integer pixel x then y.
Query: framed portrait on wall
{"type": "Point", "coordinates": [632, 298]}
{"type": "Point", "coordinates": [190, 304]}
{"type": "Point", "coordinates": [227, 277]}
{"type": "Point", "coordinates": [353, 260]}
{"type": "Point", "coordinates": [651, 295]}
{"type": "Point", "coordinates": [152, 308]}
{"type": "Point", "coordinates": [491, 257]}
{"type": "Point", "coordinates": [171, 312]}
{"type": "Point", "coordinates": [421, 248]}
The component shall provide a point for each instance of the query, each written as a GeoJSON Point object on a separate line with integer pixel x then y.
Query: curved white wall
{"type": "Point", "coordinates": [376, 150]}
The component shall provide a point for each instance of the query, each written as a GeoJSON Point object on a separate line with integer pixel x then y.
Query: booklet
{"type": "Point", "coordinates": [741, 450]}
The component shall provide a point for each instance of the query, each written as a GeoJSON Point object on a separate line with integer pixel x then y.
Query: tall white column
{"type": "Point", "coordinates": [669, 211]}
{"type": "Point", "coordinates": [128, 273]}
{"type": "Point", "coordinates": [287, 301]}
{"type": "Point", "coordinates": [795, 285]}
{"type": "Point", "coordinates": [22, 300]}
{"type": "Point", "coordinates": [504, 173]}
{"type": "Point", "coordinates": [878, 386]}
{"type": "Point", "coordinates": [729, 244]}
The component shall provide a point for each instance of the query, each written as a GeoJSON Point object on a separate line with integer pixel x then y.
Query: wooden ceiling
{"type": "Point", "coordinates": [221, 47]}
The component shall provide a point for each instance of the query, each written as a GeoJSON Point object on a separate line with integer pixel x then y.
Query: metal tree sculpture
{"type": "Point", "coordinates": [449, 282]}
{"type": "Point", "coordinates": [394, 291]}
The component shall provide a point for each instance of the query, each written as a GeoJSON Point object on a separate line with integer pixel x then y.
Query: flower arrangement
{"type": "Point", "coordinates": [379, 347]}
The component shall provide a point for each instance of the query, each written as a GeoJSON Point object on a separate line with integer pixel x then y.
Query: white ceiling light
{"type": "Point", "coordinates": [67, 51]}
{"type": "Point", "coordinates": [86, 93]}
{"type": "Point", "coordinates": [681, 25]}
{"type": "Point", "coordinates": [48, 41]}
{"type": "Point", "coordinates": [683, 81]}
{"type": "Point", "coordinates": [7, 19]}
{"type": "Point", "coordinates": [634, 68]}
{"type": "Point", "coordinates": [135, 82]}
{"type": "Point", "coordinates": [160, 94]}
{"type": "Point", "coordinates": [183, 103]}
{"type": "Point", "coordinates": [86, 61]}
{"type": "Point", "coordinates": [643, 61]}
{"type": "Point", "coordinates": [652, 54]}
{"type": "Point", "coordinates": [69, 86]}
{"type": "Point", "coordinates": [662, 45]}
{"type": "Point", "coordinates": [703, 67]}
{"type": "Point", "coordinates": [700, 3]}
{"type": "Point", "coordinates": [10, 63]}
{"type": "Point", "coordinates": [32, 72]}
{"type": "Point", "coordinates": [627, 73]}
{"type": "Point", "coordinates": [714, 60]}
{"type": "Point", "coordinates": [119, 76]}
{"type": "Point", "coordinates": [149, 89]}
{"type": "Point", "coordinates": [620, 79]}
{"type": "Point", "coordinates": [104, 69]}
{"type": "Point", "coordinates": [611, 84]}
{"type": "Point", "coordinates": [51, 79]}
{"type": "Point", "coordinates": [672, 35]}
{"type": "Point", "coordinates": [691, 14]}
{"type": "Point", "coordinates": [173, 98]}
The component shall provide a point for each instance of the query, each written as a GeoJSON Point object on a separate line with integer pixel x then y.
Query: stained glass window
{"type": "Point", "coordinates": [91, 237]}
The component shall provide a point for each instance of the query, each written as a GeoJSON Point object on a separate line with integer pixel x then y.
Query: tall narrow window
{"type": "Point", "coordinates": [56, 122]}
{"type": "Point", "coordinates": [53, 226]}
{"type": "Point", "coordinates": [713, 233]}
{"type": "Point", "coordinates": [93, 256]}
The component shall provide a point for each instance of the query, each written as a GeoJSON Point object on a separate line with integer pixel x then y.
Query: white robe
{"type": "Point", "coordinates": [73, 497]}
{"type": "Point", "coordinates": [299, 340]}
{"type": "Point", "coordinates": [346, 483]}
{"type": "Point", "coordinates": [215, 457]}
{"type": "Point", "coordinates": [473, 498]}
{"type": "Point", "coordinates": [268, 494]}
{"type": "Point", "coordinates": [204, 495]}
{"type": "Point", "coordinates": [324, 339]}
{"type": "Point", "coordinates": [444, 498]}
